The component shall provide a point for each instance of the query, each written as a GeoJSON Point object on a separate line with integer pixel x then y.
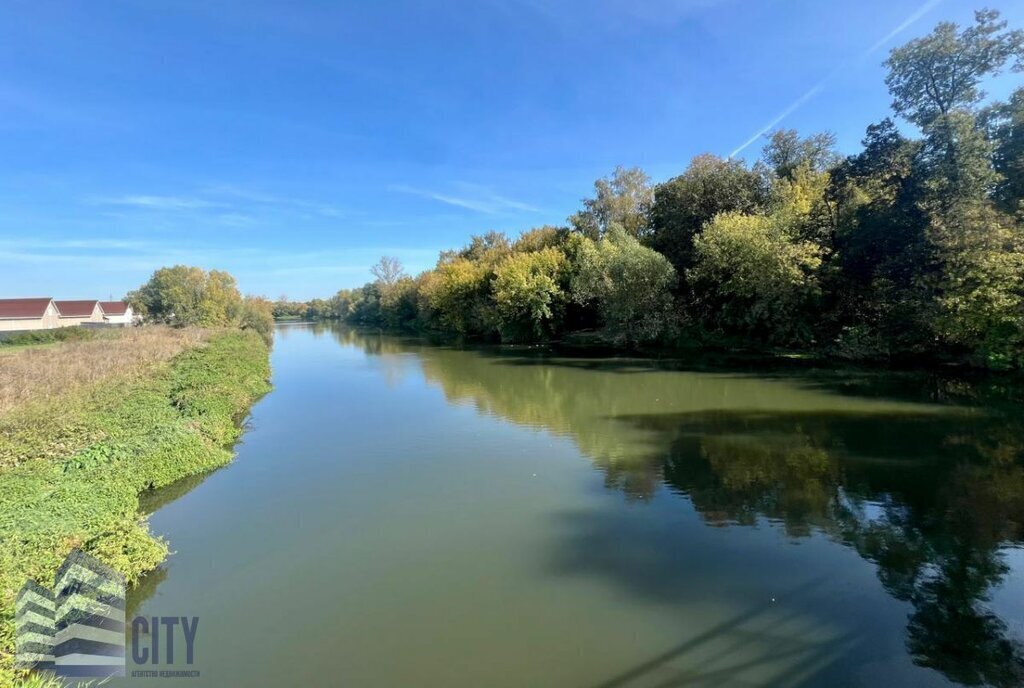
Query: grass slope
{"type": "Point", "coordinates": [31, 373]}
{"type": "Point", "coordinates": [72, 468]}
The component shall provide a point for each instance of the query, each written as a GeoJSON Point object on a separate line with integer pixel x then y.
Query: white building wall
{"type": "Point", "coordinates": [15, 324]}
{"type": "Point", "coordinates": [51, 319]}
{"type": "Point", "coordinates": [125, 319]}
{"type": "Point", "coordinates": [72, 321]}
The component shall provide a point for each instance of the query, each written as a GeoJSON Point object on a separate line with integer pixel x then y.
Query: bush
{"type": "Point", "coordinates": [529, 295]}
{"type": "Point", "coordinates": [258, 315]}
{"type": "Point", "coordinates": [751, 278]}
{"type": "Point", "coordinates": [60, 334]}
{"type": "Point", "coordinates": [630, 284]}
{"type": "Point", "coordinates": [458, 295]}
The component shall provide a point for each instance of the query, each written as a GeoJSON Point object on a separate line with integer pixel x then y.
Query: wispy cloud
{"type": "Point", "coordinates": [29, 265]}
{"type": "Point", "coordinates": [107, 263]}
{"type": "Point", "coordinates": [160, 253]}
{"type": "Point", "coordinates": [235, 219]}
{"type": "Point", "coordinates": [157, 202]}
{"type": "Point", "coordinates": [824, 81]}
{"type": "Point", "coordinates": [222, 204]}
{"type": "Point", "coordinates": [238, 193]}
{"type": "Point", "coordinates": [470, 197]}
{"type": "Point", "coordinates": [98, 244]}
{"type": "Point", "coordinates": [903, 26]}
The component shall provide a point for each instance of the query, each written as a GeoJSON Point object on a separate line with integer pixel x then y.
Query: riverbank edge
{"type": "Point", "coordinates": [701, 355]}
{"type": "Point", "coordinates": [182, 419]}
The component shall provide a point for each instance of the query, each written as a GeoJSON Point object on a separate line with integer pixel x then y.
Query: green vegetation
{"type": "Point", "coordinates": [911, 249]}
{"type": "Point", "coordinates": [627, 284]}
{"type": "Point", "coordinates": [51, 681]}
{"type": "Point", "coordinates": [257, 314]}
{"type": "Point", "coordinates": [528, 293]}
{"type": "Point", "coordinates": [72, 466]}
{"type": "Point", "coordinates": [189, 296]}
{"type": "Point", "coordinates": [60, 334]}
{"type": "Point", "coordinates": [753, 278]}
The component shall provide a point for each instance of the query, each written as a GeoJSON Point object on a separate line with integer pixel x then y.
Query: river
{"type": "Point", "coordinates": [407, 514]}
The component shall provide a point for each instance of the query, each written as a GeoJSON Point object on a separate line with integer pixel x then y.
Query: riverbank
{"type": "Point", "coordinates": [73, 463]}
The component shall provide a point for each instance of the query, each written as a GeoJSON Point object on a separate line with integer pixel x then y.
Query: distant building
{"type": "Point", "coordinates": [79, 312]}
{"type": "Point", "coordinates": [29, 314]}
{"type": "Point", "coordinates": [117, 313]}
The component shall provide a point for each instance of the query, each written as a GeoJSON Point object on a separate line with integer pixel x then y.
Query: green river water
{"type": "Point", "coordinates": [407, 514]}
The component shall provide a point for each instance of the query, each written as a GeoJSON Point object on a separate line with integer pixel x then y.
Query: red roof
{"type": "Point", "coordinates": [23, 308]}
{"type": "Point", "coordinates": [114, 307]}
{"type": "Point", "coordinates": [76, 309]}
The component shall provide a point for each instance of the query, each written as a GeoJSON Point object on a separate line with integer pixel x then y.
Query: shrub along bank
{"type": "Point", "coordinates": [81, 486]}
{"type": "Point", "coordinates": [61, 334]}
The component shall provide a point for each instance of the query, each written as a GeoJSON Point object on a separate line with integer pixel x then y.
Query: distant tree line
{"type": "Point", "coordinates": [911, 248]}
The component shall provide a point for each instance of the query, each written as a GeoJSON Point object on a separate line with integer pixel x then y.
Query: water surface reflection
{"type": "Point", "coordinates": [920, 475]}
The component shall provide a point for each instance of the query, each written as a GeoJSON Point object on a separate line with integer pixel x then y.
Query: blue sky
{"type": "Point", "coordinates": [293, 142]}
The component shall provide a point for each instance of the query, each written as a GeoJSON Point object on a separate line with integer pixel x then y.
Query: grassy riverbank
{"type": "Point", "coordinates": [94, 428]}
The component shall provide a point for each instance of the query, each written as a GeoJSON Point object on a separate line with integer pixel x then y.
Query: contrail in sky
{"type": "Point", "coordinates": [814, 90]}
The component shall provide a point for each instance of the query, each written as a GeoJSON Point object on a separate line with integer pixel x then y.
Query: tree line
{"type": "Point", "coordinates": [911, 248]}
{"type": "Point", "coordinates": [184, 296]}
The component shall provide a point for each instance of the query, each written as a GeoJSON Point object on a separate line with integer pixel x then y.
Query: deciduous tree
{"type": "Point", "coordinates": [624, 199]}
{"type": "Point", "coordinates": [709, 186]}
{"type": "Point", "coordinates": [751, 278]}
{"type": "Point", "coordinates": [630, 284]}
{"type": "Point", "coordinates": [933, 76]}
{"type": "Point", "coordinates": [529, 294]}
{"type": "Point", "coordinates": [184, 295]}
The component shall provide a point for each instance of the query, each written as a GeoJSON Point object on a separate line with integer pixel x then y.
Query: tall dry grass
{"type": "Point", "coordinates": [35, 374]}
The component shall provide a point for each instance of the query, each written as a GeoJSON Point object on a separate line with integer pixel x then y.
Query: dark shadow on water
{"type": "Point", "coordinates": [805, 660]}
{"type": "Point", "coordinates": [966, 387]}
{"type": "Point", "coordinates": [151, 501]}
{"type": "Point", "coordinates": [931, 502]}
{"type": "Point", "coordinates": [143, 590]}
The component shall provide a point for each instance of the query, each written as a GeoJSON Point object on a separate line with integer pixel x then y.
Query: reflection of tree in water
{"type": "Point", "coordinates": [933, 521]}
{"type": "Point", "coordinates": [740, 478]}
{"type": "Point", "coordinates": [950, 631]}
{"type": "Point", "coordinates": [151, 501]}
{"type": "Point", "coordinates": [928, 494]}
{"type": "Point", "coordinates": [945, 560]}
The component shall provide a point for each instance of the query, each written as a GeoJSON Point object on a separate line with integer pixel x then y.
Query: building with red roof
{"type": "Point", "coordinates": [117, 313]}
{"type": "Point", "coordinates": [29, 314]}
{"type": "Point", "coordinates": [79, 312]}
